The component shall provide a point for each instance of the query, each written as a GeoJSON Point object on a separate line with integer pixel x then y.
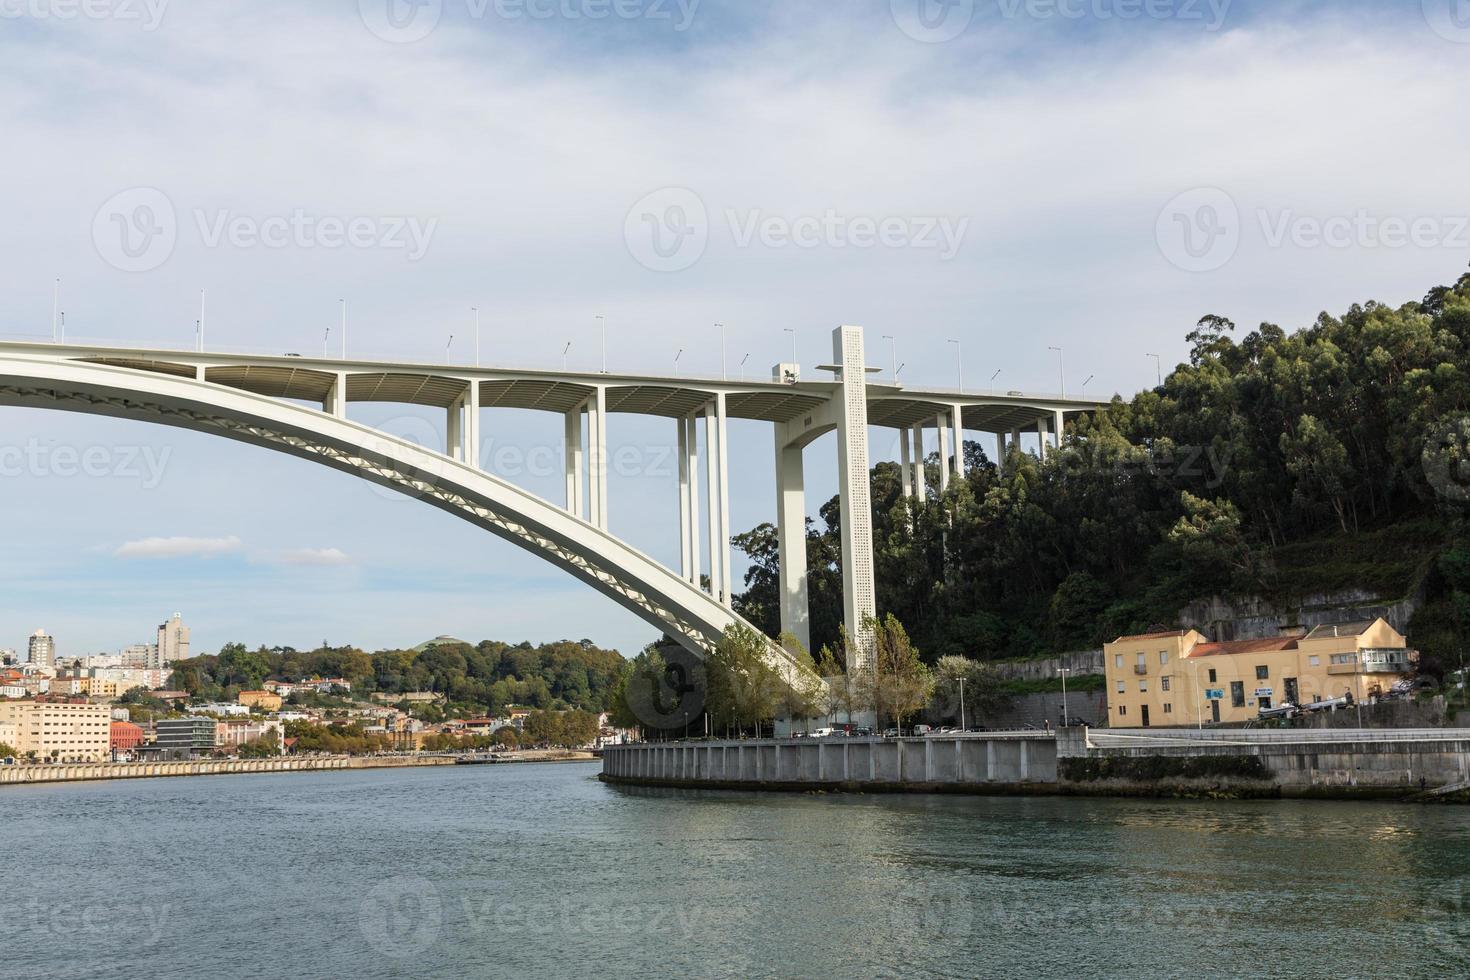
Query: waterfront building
{"type": "Point", "coordinates": [63, 731]}
{"type": "Point", "coordinates": [173, 642]}
{"type": "Point", "coordinates": [9, 734]}
{"type": "Point", "coordinates": [1181, 678]}
{"type": "Point", "coordinates": [41, 649]}
{"type": "Point", "coordinates": [223, 708]}
{"type": "Point", "coordinates": [264, 700]}
{"type": "Point", "coordinates": [185, 738]}
{"type": "Point", "coordinates": [234, 732]}
{"type": "Point", "coordinates": [125, 737]}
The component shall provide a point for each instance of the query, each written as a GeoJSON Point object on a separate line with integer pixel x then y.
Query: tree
{"type": "Point", "coordinates": [6, 752]}
{"type": "Point", "coordinates": [899, 684]}
{"type": "Point", "coordinates": [980, 696]}
{"type": "Point", "coordinates": [742, 685]}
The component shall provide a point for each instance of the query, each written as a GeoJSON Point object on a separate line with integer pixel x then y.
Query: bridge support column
{"type": "Point", "coordinates": [905, 463]}
{"type": "Point", "coordinates": [454, 430]}
{"type": "Point", "coordinates": [791, 539]}
{"type": "Point", "coordinates": [944, 464]}
{"type": "Point", "coordinates": [597, 456]}
{"type": "Point", "coordinates": [718, 480]}
{"type": "Point", "coordinates": [855, 494]}
{"type": "Point", "coordinates": [1060, 427]}
{"type": "Point", "coordinates": [1000, 448]}
{"type": "Point", "coordinates": [957, 416]}
{"type": "Point", "coordinates": [686, 523]}
{"type": "Point", "coordinates": [1041, 439]}
{"type": "Point", "coordinates": [472, 425]}
{"type": "Point", "coordinates": [336, 400]}
{"type": "Point", "coordinates": [574, 463]}
{"type": "Point", "coordinates": [691, 460]}
{"type": "Point", "coordinates": [921, 479]}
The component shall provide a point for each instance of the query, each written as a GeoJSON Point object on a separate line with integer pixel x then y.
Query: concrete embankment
{"type": "Point", "coordinates": [10, 775]}
{"type": "Point", "coordinates": [1342, 765]}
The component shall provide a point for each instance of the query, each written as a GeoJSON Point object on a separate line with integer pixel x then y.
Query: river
{"type": "Point", "coordinates": [542, 871]}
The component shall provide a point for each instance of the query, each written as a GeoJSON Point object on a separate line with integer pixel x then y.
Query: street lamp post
{"type": "Point", "coordinates": [1158, 368]}
{"type": "Point", "coordinates": [1064, 671]}
{"type": "Point", "coordinates": [477, 335]}
{"type": "Point", "coordinates": [893, 350]}
{"type": "Point", "coordinates": [724, 362]}
{"type": "Point", "coordinates": [564, 355]}
{"type": "Point", "coordinates": [1061, 368]}
{"type": "Point", "coordinates": [959, 353]}
{"type": "Point", "coordinates": [602, 323]}
{"type": "Point", "coordinates": [792, 331]}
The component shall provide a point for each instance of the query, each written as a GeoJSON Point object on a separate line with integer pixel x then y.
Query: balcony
{"type": "Point", "coordinates": [1140, 669]}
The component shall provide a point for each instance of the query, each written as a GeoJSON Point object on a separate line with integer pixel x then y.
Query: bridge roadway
{"type": "Point", "coordinates": [259, 398]}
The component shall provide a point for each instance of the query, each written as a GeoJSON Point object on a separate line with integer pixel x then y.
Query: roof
{"type": "Point", "coordinates": [1152, 636]}
{"type": "Point", "coordinates": [1271, 644]}
{"type": "Point", "coordinates": [1340, 629]}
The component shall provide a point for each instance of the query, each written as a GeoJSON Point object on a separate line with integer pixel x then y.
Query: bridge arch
{"type": "Point", "coordinates": [611, 566]}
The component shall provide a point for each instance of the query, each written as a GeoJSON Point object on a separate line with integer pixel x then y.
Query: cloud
{"type": "Point", "coordinates": [156, 548]}
{"type": "Point", "coordinates": [313, 556]}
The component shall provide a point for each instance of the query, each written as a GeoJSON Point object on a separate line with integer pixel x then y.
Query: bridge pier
{"type": "Point", "coordinates": [859, 601]}
{"type": "Point", "coordinates": [573, 458]}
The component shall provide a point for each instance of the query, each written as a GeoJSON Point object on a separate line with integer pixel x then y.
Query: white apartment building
{"type": "Point", "coordinates": [41, 649]}
{"type": "Point", "coordinates": [173, 642]}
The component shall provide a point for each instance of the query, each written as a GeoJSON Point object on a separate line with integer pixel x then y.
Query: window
{"type": "Point", "coordinates": [1315, 661]}
{"type": "Point", "coordinates": [1213, 678]}
{"type": "Point", "coordinates": [1143, 687]}
{"type": "Point", "coordinates": [1164, 683]}
{"type": "Point", "coordinates": [1122, 710]}
{"type": "Point", "coordinates": [1237, 694]}
{"type": "Point", "coordinates": [1122, 687]}
{"type": "Point", "coordinates": [1163, 657]}
{"type": "Point", "coordinates": [1143, 661]}
{"type": "Point", "coordinates": [1168, 708]}
{"type": "Point", "coordinates": [1118, 661]}
{"type": "Point", "coordinates": [1263, 673]}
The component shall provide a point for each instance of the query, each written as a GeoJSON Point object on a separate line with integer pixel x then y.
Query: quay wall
{"type": "Point", "coordinates": [11, 775]}
{"type": "Point", "coordinates": [1359, 764]}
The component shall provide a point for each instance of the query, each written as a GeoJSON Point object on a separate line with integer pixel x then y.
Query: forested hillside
{"type": "Point", "coordinates": [476, 679]}
{"type": "Point", "coordinates": [1275, 464]}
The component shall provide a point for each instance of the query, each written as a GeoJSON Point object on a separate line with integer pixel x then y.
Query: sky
{"type": "Point", "coordinates": [1016, 175]}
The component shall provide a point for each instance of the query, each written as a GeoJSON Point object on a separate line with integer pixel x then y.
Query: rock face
{"type": "Point", "coordinates": [1254, 618]}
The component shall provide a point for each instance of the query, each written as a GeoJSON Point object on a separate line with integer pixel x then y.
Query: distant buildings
{"type": "Point", "coordinates": [264, 700]}
{"type": "Point", "coordinates": [184, 738]}
{"type": "Point", "coordinates": [41, 649]}
{"type": "Point", "coordinates": [126, 737]}
{"type": "Point", "coordinates": [61, 732]}
{"type": "Point", "coordinates": [173, 642]}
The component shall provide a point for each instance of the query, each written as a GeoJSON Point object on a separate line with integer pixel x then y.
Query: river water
{"type": "Point", "coordinates": [542, 871]}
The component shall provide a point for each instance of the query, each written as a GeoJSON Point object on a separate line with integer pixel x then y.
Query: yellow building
{"type": "Point", "coordinates": [1181, 678]}
{"type": "Point", "coordinates": [64, 732]}
{"type": "Point", "coordinates": [264, 700]}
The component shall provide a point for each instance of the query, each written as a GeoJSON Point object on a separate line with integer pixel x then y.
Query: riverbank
{"type": "Point", "coordinates": [1363, 765]}
{"type": "Point", "coordinates": [29, 775]}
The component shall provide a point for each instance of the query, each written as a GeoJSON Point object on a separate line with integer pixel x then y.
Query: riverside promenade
{"type": "Point", "coordinates": [1389, 764]}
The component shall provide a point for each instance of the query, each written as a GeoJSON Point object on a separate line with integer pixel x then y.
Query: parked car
{"type": "Point", "coordinates": [890, 733]}
{"type": "Point", "coordinates": [920, 730]}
